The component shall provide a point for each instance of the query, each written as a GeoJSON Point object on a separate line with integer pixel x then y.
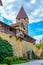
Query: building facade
{"type": "Point", "coordinates": [17, 35]}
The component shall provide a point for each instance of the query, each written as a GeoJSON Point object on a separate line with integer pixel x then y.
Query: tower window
{"type": "Point", "coordinates": [24, 18]}
{"type": "Point", "coordinates": [10, 36]}
{"type": "Point", "coordinates": [10, 29]}
{"type": "Point", "coordinates": [19, 19]}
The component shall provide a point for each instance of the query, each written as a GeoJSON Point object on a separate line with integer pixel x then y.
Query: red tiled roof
{"type": "Point", "coordinates": [22, 14]}
{"type": "Point", "coordinates": [0, 3]}
{"type": "Point", "coordinates": [14, 25]}
{"type": "Point", "coordinates": [29, 39]}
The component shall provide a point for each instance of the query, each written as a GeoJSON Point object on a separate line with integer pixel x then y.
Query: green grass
{"type": "Point", "coordinates": [3, 64]}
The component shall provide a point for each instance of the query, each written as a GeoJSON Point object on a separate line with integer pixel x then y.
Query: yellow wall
{"type": "Point", "coordinates": [19, 47]}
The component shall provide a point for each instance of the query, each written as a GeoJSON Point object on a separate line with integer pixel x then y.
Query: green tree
{"type": "Point", "coordinates": [40, 45]}
{"type": "Point", "coordinates": [5, 49]}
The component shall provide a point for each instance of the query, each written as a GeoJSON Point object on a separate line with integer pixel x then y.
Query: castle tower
{"type": "Point", "coordinates": [0, 3]}
{"type": "Point", "coordinates": [23, 18]}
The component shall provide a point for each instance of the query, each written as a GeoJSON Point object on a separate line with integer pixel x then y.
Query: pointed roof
{"type": "Point", "coordinates": [0, 3]}
{"type": "Point", "coordinates": [22, 14]}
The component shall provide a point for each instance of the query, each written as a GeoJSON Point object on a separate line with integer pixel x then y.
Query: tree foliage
{"type": "Point", "coordinates": [40, 45]}
{"type": "Point", "coordinates": [5, 49]}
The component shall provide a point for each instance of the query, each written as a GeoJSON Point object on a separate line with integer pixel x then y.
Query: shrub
{"type": "Point", "coordinates": [19, 60]}
{"type": "Point", "coordinates": [22, 58]}
{"type": "Point", "coordinates": [5, 49]}
{"type": "Point", "coordinates": [33, 55]}
{"type": "Point", "coordinates": [8, 60]}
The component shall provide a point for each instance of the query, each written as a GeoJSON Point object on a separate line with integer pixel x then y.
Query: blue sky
{"type": "Point", "coordinates": [34, 10]}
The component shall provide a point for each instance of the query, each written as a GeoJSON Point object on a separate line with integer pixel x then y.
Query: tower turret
{"type": "Point", "coordinates": [23, 18]}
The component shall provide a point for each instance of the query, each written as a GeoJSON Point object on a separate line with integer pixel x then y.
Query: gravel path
{"type": "Point", "coordinates": [35, 62]}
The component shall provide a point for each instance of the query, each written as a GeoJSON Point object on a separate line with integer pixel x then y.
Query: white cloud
{"type": "Point", "coordinates": [42, 9]}
{"type": "Point", "coordinates": [9, 7]}
{"type": "Point", "coordinates": [0, 7]}
{"type": "Point", "coordinates": [38, 37]}
{"type": "Point", "coordinates": [41, 15]}
{"type": "Point", "coordinates": [28, 4]}
{"type": "Point", "coordinates": [6, 10]}
{"type": "Point", "coordinates": [7, 1]}
{"type": "Point", "coordinates": [36, 11]}
{"type": "Point", "coordinates": [1, 18]}
{"type": "Point", "coordinates": [10, 14]}
{"type": "Point", "coordinates": [33, 20]}
{"type": "Point", "coordinates": [14, 21]}
{"type": "Point", "coordinates": [33, 1]}
{"type": "Point", "coordinates": [9, 17]}
{"type": "Point", "coordinates": [36, 15]}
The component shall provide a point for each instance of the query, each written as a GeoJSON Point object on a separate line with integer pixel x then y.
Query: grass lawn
{"type": "Point", "coordinates": [3, 64]}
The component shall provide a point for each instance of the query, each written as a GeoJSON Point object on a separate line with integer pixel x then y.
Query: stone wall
{"type": "Point", "coordinates": [20, 47]}
{"type": "Point", "coordinates": [25, 23]}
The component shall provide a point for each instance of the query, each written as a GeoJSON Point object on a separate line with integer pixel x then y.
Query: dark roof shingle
{"type": "Point", "coordinates": [22, 14]}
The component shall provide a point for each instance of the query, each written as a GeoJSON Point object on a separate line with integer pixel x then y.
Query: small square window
{"type": "Point", "coordinates": [10, 36]}
{"type": "Point", "coordinates": [19, 19]}
{"type": "Point", "coordinates": [10, 29]}
{"type": "Point", "coordinates": [24, 18]}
